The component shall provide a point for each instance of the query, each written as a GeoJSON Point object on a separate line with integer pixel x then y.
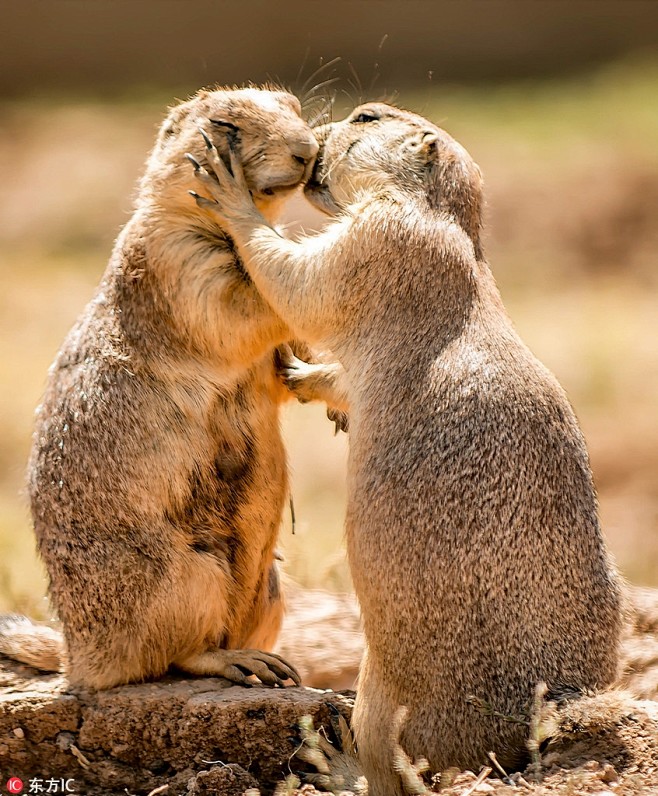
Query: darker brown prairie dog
{"type": "Point", "coordinates": [158, 476]}
{"type": "Point", "coordinates": [472, 529]}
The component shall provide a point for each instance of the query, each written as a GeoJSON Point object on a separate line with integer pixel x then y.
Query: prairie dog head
{"type": "Point", "coordinates": [378, 148]}
{"type": "Point", "coordinates": [276, 145]}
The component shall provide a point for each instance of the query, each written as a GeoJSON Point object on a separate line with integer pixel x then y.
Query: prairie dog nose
{"type": "Point", "coordinates": [304, 149]}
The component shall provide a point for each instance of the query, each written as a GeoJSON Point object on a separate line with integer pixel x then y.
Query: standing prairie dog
{"type": "Point", "coordinates": [158, 475]}
{"type": "Point", "coordinates": [472, 530]}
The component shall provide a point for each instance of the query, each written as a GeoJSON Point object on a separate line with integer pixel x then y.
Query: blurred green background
{"type": "Point", "coordinates": [557, 101]}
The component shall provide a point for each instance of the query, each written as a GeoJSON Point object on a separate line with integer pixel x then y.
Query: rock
{"type": "Point", "coordinates": [187, 733]}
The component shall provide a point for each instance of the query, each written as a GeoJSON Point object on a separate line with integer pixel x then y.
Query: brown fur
{"type": "Point", "coordinates": [158, 475]}
{"type": "Point", "coordinates": [472, 528]}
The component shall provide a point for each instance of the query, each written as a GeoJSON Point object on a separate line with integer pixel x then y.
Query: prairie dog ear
{"type": "Point", "coordinates": [424, 142]}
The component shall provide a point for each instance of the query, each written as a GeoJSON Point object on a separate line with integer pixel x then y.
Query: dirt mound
{"type": "Point", "coordinates": [605, 745]}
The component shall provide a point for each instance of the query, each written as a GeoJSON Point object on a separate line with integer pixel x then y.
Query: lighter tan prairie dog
{"type": "Point", "coordinates": [158, 475]}
{"type": "Point", "coordinates": [472, 529]}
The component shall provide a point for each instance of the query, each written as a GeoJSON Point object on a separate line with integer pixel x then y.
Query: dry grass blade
{"type": "Point", "coordinates": [79, 756]}
{"type": "Point", "coordinates": [409, 772]}
{"type": "Point", "coordinates": [161, 789]}
{"type": "Point", "coordinates": [533, 742]}
{"type": "Point", "coordinates": [288, 786]}
{"type": "Point", "coordinates": [478, 781]}
{"type": "Point", "coordinates": [337, 771]}
{"type": "Point", "coordinates": [503, 774]}
{"type": "Point", "coordinates": [487, 709]}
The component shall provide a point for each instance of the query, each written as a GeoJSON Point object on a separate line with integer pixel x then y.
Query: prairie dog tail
{"type": "Point", "coordinates": [28, 642]}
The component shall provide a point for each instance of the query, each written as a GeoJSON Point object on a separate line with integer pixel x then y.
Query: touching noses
{"type": "Point", "coordinates": [304, 150]}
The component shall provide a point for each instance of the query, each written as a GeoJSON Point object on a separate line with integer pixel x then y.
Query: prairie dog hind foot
{"type": "Point", "coordinates": [238, 665]}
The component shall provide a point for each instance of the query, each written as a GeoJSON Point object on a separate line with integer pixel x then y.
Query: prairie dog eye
{"type": "Point", "coordinates": [365, 117]}
{"type": "Point", "coordinates": [227, 127]}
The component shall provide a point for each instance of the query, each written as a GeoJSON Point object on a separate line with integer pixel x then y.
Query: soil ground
{"type": "Point", "coordinates": [198, 736]}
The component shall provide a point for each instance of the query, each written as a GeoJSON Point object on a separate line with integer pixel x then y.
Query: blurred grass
{"type": "Point", "coordinates": [571, 169]}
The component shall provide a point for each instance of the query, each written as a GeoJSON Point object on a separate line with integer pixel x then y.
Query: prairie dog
{"type": "Point", "coordinates": [157, 476]}
{"type": "Point", "coordinates": [472, 529]}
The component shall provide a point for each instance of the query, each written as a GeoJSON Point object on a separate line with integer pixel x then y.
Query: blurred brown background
{"type": "Point", "coordinates": [557, 101]}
